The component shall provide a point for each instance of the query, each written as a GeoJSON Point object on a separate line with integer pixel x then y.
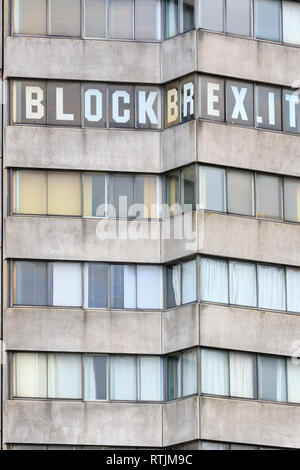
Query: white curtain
{"type": "Point", "coordinates": [123, 378]}
{"type": "Point", "coordinates": [89, 379]}
{"type": "Point", "coordinates": [176, 273]}
{"type": "Point", "coordinates": [214, 280]}
{"type": "Point", "coordinates": [242, 282]}
{"type": "Point", "coordinates": [150, 378]}
{"type": "Point", "coordinates": [129, 286]}
{"type": "Point", "coordinates": [281, 382]}
{"type": "Point", "coordinates": [242, 373]}
{"type": "Point", "coordinates": [67, 284]}
{"type": "Point", "coordinates": [30, 375]}
{"type": "Point", "coordinates": [149, 287]}
{"type": "Point", "coordinates": [293, 289]}
{"type": "Point", "coordinates": [189, 372]}
{"type": "Point", "coordinates": [95, 377]}
{"type": "Point", "coordinates": [64, 375]}
{"type": "Point", "coordinates": [171, 19]}
{"type": "Point", "coordinates": [272, 378]}
{"type": "Point", "coordinates": [189, 281]}
{"type": "Point", "coordinates": [215, 372]}
{"type": "Point", "coordinates": [293, 378]}
{"type": "Point", "coordinates": [291, 21]}
{"type": "Point", "coordinates": [271, 287]}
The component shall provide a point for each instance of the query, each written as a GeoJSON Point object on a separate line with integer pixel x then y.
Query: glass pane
{"type": "Point", "coordinates": [293, 378]}
{"type": "Point", "coordinates": [95, 18]}
{"type": "Point", "coordinates": [149, 287]}
{"type": "Point", "coordinates": [240, 192]}
{"type": "Point", "coordinates": [188, 188]}
{"type": "Point", "coordinates": [211, 98]}
{"type": "Point", "coordinates": [173, 293]}
{"type": "Point", "coordinates": [242, 375]}
{"type": "Point", "coordinates": [30, 16]}
{"type": "Point", "coordinates": [212, 188]}
{"type": "Point", "coordinates": [189, 372]}
{"type": "Point", "coordinates": [64, 375]}
{"type": "Point", "coordinates": [120, 17]}
{"type": "Point", "coordinates": [173, 193]}
{"type": "Point", "coordinates": [291, 199]}
{"type": "Point", "coordinates": [147, 20]}
{"type": "Point", "coordinates": [215, 372]}
{"type": "Point", "coordinates": [94, 194]}
{"type": "Point", "coordinates": [30, 193]}
{"type": "Point", "coordinates": [30, 283]}
{"type": "Point", "coordinates": [95, 378]}
{"type": "Point", "coordinates": [151, 378]}
{"type": "Point", "coordinates": [97, 285]}
{"type": "Point", "coordinates": [148, 107]}
{"type": "Point", "coordinates": [30, 375]}
{"type": "Point", "coordinates": [63, 103]}
{"type": "Point", "coordinates": [121, 189]}
{"type": "Point", "coordinates": [94, 105]}
{"type": "Point", "coordinates": [174, 376]}
{"type": "Point", "coordinates": [65, 17]}
{"type": "Point", "coordinates": [268, 197]}
{"type": "Point", "coordinates": [291, 21]}
{"type": "Point", "coordinates": [290, 111]}
{"type": "Point", "coordinates": [122, 286]}
{"type": "Point", "coordinates": [123, 378]}
{"type": "Point", "coordinates": [189, 281]}
{"type": "Point", "coordinates": [271, 287]}
{"type": "Point", "coordinates": [67, 284]}
{"type": "Point", "coordinates": [238, 17]}
{"type": "Point", "coordinates": [187, 15]}
{"type": "Point", "coordinates": [211, 14]}
{"type": "Point", "coordinates": [293, 289]}
{"type": "Point", "coordinates": [171, 104]}
{"type": "Point", "coordinates": [272, 378]}
{"type": "Point", "coordinates": [64, 193]}
{"type": "Point", "coordinates": [239, 103]}
{"type": "Point", "coordinates": [28, 102]}
{"type": "Point", "coordinates": [242, 283]}
{"type": "Point", "coordinates": [268, 107]}
{"type": "Point", "coordinates": [268, 19]}
{"type": "Point", "coordinates": [214, 280]}
{"type": "Point", "coordinates": [145, 197]}
{"type": "Point", "coordinates": [171, 18]}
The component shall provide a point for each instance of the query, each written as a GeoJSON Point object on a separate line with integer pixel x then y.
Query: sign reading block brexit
{"type": "Point", "coordinates": [101, 105]}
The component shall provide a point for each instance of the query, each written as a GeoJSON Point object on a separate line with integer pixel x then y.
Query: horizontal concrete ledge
{"type": "Point", "coordinates": [249, 422]}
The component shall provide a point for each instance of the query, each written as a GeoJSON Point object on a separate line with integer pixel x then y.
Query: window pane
{"type": "Point", "coordinates": [149, 287]}
{"type": "Point", "coordinates": [30, 283]}
{"type": "Point", "coordinates": [291, 199]}
{"type": "Point", "coordinates": [240, 192]}
{"type": "Point", "coordinates": [122, 286]}
{"type": "Point", "coordinates": [268, 197]}
{"type": "Point", "coordinates": [94, 194]}
{"type": "Point", "coordinates": [174, 376]}
{"type": "Point", "coordinates": [65, 17]}
{"type": "Point", "coordinates": [293, 289]}
{"type": "Point", "coordinates": [123, 378]}
{"type": "Point", "coordinates": [95, 18]}
{"type": "Point", "coordinates": [121, 194]}
{"type": "Point", "coordinates": [291, 21]}
{"type": "Point", "coordinates": [189, 281]}
{"type": "Point", "coordinates": [215, 372]}
{"type": "Point", "coordinates": [30, 375]}
{"type": "Point", "coordinates": [151, 378]}
{"type": "Point", "coordinates": [97, 285]}
{"type": "Point", "coordinates": [242, 375]}
{"type": "Point", "coordinates": [30, 195]}
{"type": "Point", "coordinates": [64, 375]}
{"type": "Point", "coordinates": [63, 103]}
{"type": "Point", "coordinates": [271, 287]}
{"type": "Point", "coordinates": [268, 19]}
{"type": "Point", "coordinates": [242, 283]}
{"type": "Point", "coordinates": [147, 20]}
{"type": "Point", "coordinates": [189, 372]}
{"type": "Point", "coordinates": [211, 14]}
{"type": "Point", "coordinates": [188, 21]}
{"type": "Point", "coordinates": [30, 16]}
{"type": "Point", "coordinates": [28, 101]}
{"type": "Point", "coordinates": [171, 18]}
{"type": "Point", "coordinates": [121, 19]}
{"type": "Point", "coordinates": [188, 188]}
{"type": "Point", "coordinates": [268, 107]}
{"type": "Point", "coordinates": [214, 280]}
{"type": "Point", "coordinates": [272, 378]}
{"type": "Point", "coordinates": [293, 377]}
{"type": "Point", "coordinates": [95, 378]}
{"type": "Point", "coordinates": [290, 111]}
{"type": "Point", "coordinates": [211, 98]}
{"type": "Point", "coordinates": [238, 19]}
{"type": "Point", "coordinates": [239, 103]}
{"type": "Point", "coordinates": [173, 193]}
{"type": "Point", "coordinates": [173, 285]}
{"type": "Point", "coordinates": [212, 188]}
{"type": "Point", "coordinates": [64, 193]}
{"type": "Point", "coordinates": [67, 284]}
{"type": "Point", "coordinates": [145, 197]}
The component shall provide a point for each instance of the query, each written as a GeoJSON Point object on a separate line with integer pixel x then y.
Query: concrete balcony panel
{"type": "Point", "coordinates": [181, 421]}
{"type": "Point", "coordinates": [180, 328]}
{"type": "Point", "coordinates": [178, 145]}
{"type": "Point", "coordinates": [178, 56]}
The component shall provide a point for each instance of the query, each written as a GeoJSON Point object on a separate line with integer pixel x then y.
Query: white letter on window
{"type": "Point", "coordinates": [239, 107]}
{"type": "Point", "coordinates": [87, 105]}
{"type": "Point", "coordinates": [212, 98]}
{"type": "Point", "coordinates": [172, 100]}
{"type": "Point", "coordinates": [34, 102]}
{"type": "Point", "coordinates": [146, 107]}
{"type": "Point", "coordinates": [292, 100]}
{"type": "Point", "coordinates": [60, 116]}
{"type": "Point", "coordinates": [188, 98]}
{"type": "Point", "coordinates": [115, 104]}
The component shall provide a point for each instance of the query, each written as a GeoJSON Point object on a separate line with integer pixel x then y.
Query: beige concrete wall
{"type": "Point", "coordinates": [181, 421]}
{"type": "Point", "coordinates": [180, 328]}
{"type": "Point", "coordinates": [178, 56]}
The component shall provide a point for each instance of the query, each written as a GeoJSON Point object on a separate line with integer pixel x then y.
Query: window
{"type": "Point", "coordinates": [268, 196]}
{"type": "Point", "coordinates": [30, 375]}
{"type": "Point", "coordinates": [65, 17]}
{"type": "Point", "coordinates": [180, 191]}
{"type": "Point", "coordinates": [239, 103]}
{"type": "Point", "coordinates": [291, 199]}
{"type": "Point", "coordinates": [96, 285]}
{"type": "Point", "coordinates": [293, 380]}
{"type": "Point", "coordinates": [95, 377]}
{"type": "Point", "coordinates": [150, 378]}
{"type": "Point", "coordinates": [30, 192]}
{"type": "Point", "coordinates": [214, 280]}
{"type": "Point", "coordinates": [121, 195]}
{"type": "Point", "coordinates": [121, 19]}
{"type": "Point", "coordinates": [173, 193]}
{"type": "Point", "coordinates": [240, 192]}
{"type": "Point", "coordinates": [211, 14]}
{"type": "Point", "coordinates": [215, 372]}
{"type": "Point", "coordinates": [238, 17]}
{"type": "Point", "coordinates": [95, 18]}
{"type": "Point", "coordinates": [30, 16]}
{"type": "Point", "coordinates": [64, 193]}
{"type": "Point", "coordinates": [189, 372]}
{"type": "Point", "coordinates": [123, 378]}
{"type": "Point", "coordinates": [94, 194]}
{"type": "Point", "coordinates": [63, 103]}
{"type": "Point", "coordinates": [293, 289]}
{"type": "Point", "coordinates": [212, 188]}
{"type": "Point", "coordinates": [173, 288]}
{"type": "Point", "coordinates": [64, 376]}
{"type": "Point", "coordinates": [268, 19]}
{"type": "Point", "coordinates": [242, 374]}
{"type": "Point", "coordinates": [271, 287]}
{"type": "Point", "coordinates": [30, 283]}
{"type": "Point", "coordinates": [147, 20]}
{"type": "Point", "coordinates": [66, 284]}
{"type": "Point", "coordinates": [174, 376]}
{"type": "Point", "coordinates": [171, 18]}
{"type": "Point", "coordinates": [188, 189]}
{"type": "Point", "coordinates": [145, 198]}
{"type": "Point", "coordinates": [189, 281]}
{"type": "Point", "coordinates": [290, 111]}
{"type": "Point", "coordinates": [242, 282]}
{"type": "Point", "coordinates": [211, 98]}
{"type": "Point", "coordinates": [272, 378]}
{"type": "Point", "coordinates": [122, 286]}
{"type": "Point", "coordinates": [187, 15]}
{"type": "Point", "coordinates": [149, 287]}
{"type": "Point", "coordinates": [291, 21]}
{"type": "Point", "coordinates": [268, 107]}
